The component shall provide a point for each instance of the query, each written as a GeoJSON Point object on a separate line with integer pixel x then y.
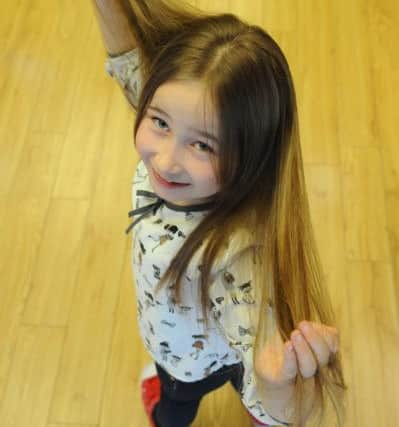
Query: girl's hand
{"type": "Point", "coordinates": [312, 346]}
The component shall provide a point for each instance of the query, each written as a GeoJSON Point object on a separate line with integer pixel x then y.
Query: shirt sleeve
{"type": "Point", "coordinates": [125, 70]}
{"type": "Point", "coordinates": [236, 311]}
{"type": "Point", "coordinates": [139, 182]}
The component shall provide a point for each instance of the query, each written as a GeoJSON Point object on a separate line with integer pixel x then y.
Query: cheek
{"type": "Point", "coordinates": [143, 139]}
{"type": "Point", "coordinates": [208, 179]}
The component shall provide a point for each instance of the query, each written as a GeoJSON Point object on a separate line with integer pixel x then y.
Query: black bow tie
{"type": "Point", "coordinates": [153, 207]}
{"type": "Point", "coordinates": [144, 210]}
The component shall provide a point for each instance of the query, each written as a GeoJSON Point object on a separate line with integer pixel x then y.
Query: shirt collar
{"type": "Point", "coordinates": [153, 207]}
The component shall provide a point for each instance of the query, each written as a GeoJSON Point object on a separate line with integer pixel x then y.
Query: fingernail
{"type": "Point", "coordinates": [290, 347]}
{"type": "Point", "coordinates": [297, 337]}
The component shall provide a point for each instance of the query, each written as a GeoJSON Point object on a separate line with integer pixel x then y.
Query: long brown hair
{"type": "Point", "coordinates": [259, 167]}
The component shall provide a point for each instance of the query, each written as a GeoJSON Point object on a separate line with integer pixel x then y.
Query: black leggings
{"type": "Point", "coordinates": [180, 400]}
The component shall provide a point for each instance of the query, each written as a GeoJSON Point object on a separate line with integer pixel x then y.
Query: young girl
{"type": "Point", "coordinates": [228, 281]}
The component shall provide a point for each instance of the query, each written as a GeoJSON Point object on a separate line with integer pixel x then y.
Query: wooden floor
{"type": "Point", "coordinates": [70, 353]}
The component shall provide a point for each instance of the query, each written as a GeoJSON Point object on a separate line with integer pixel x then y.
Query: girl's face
{"type": "Point", "coordinates": [175, 144]}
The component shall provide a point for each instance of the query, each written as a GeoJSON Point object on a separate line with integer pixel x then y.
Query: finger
{"type": "Point", "coordinates": [316, 342]}
{"type": "Point", "coordinates": [329, 334]}
{"type": "Point", "coordinates": [305, 358]}
{"type": "Point", "coordinates": [290, 361]}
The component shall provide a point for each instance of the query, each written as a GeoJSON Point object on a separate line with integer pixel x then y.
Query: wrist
{"type": "Point", "coordinates": [279, 400]}
{"type": "Point", "coordinates": [280, 386]}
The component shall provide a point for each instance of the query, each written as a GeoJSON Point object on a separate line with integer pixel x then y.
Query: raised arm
{"type": "Point", "coordinates": [115, 26]}
{"type": "Point", "coordinates": [146, 24]}
{"type": "Point", "coordinates": [133, 32]}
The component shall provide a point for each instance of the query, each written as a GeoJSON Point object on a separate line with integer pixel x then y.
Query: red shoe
{"type": "Point", "coordinates": [150, 390]}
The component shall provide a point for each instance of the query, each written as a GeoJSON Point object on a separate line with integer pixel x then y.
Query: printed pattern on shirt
{"type": "Point", "coordinates": [174, 334]}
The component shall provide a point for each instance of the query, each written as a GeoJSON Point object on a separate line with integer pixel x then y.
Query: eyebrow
{"type": "Point", "coordinates": [200, 132]}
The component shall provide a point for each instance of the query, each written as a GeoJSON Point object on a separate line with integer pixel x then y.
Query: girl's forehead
{"type": "Point", "coordinates": [186, 101]}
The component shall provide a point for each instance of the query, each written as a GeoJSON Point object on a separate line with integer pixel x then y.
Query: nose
{"type": "Point", "coordinates": [168, 161]}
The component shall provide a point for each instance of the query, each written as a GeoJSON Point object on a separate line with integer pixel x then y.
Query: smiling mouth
{"type": "Point", "coordinates": [168, 183]}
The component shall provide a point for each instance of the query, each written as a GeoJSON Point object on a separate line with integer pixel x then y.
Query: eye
{"type": "Point", "coordinates": [155, 118]}
{"type": "Point", "coordinates": [205, 147]}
